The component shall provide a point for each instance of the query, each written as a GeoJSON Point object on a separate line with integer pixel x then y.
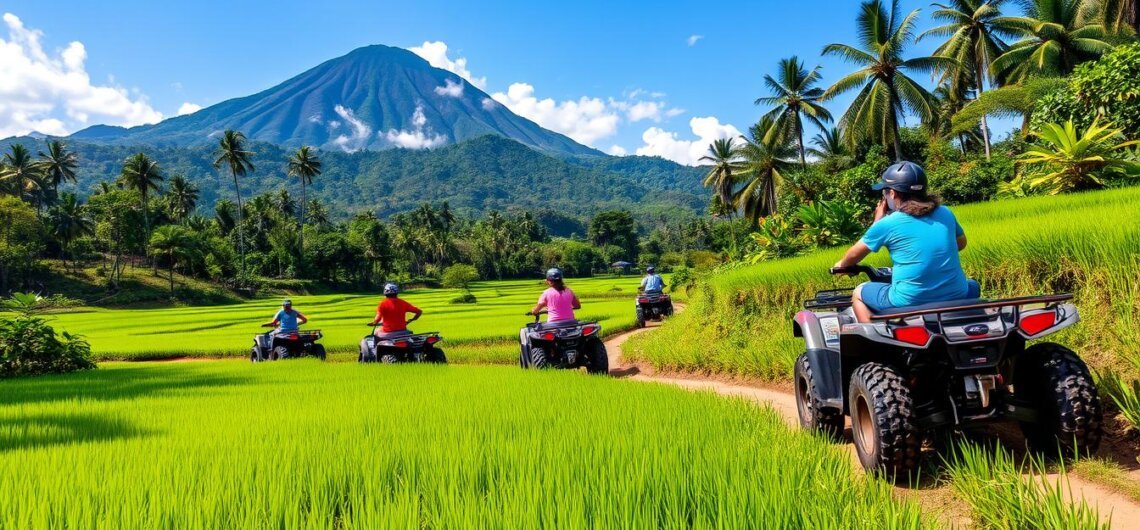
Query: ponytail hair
{"type": "Point", "coordinates": [559, 285]}
{"type": "Point", "coordinates": [918, 204]}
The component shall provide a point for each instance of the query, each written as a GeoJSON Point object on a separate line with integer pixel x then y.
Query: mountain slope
{"type": "Point", "coordinates": [374, 98]}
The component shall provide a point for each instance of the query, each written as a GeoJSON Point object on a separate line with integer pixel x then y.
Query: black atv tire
{"type": "Point", "coordinates": [813, 414]}
{"type": "Point", "coordinates": [538, 358]}
{"type": "Point", "coordinates": [598, 362]}
{"type": "Point", "coordinates": [887, 439]}
{"type": "Point", "coordinates": [278, 353]}
{"type": "Point", "coordinates": [253, 354]}
{"type": "Point", "coordinates": [388, 359]}
{"type": "Point", "coordinates": [435, 355]}
{"type": "Point", "coordinates": [1071, 412]}
{"type": "Point", "coordinates": [669, 310]}
{"type": "Point", "coordinates": [640, 317]}
{"type": "Point", "coordinates": [318, 351]}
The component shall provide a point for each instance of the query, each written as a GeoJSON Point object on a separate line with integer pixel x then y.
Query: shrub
{"type": "Point", "coordinates": [465, 298]}
{"type": "Point", "coordinates": [829, 223]}
{"type": "Point", "coordinates": [1108, 88]}
{"type": "Point", "coordinates": [459, 276]}
{"type": "Point", "coordinates": [683, 279]}
{"type": "Point", "coordinates": [29, 346]}
{"type": "Point", "coordinates": [973, 180]}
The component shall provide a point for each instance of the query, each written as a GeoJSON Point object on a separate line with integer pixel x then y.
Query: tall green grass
{"type": "Point", "coordinates": [739, 320]}
{"type": "Point", "coordinates": [286, 445]}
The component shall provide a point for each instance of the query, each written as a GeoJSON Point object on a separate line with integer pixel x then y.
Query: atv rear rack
{"type": "Point", "coordinates": [1050, 299]}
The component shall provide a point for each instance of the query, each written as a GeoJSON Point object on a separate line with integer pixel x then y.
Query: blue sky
{"type": "Point", "coordinates": [161, 55]}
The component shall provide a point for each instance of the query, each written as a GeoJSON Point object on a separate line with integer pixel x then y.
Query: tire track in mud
{"type": "Point", "coordinates": [1121, 510]}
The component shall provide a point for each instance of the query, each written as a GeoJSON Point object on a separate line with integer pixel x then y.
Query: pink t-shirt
{"type": "Point", "coordinates": [560, 305]}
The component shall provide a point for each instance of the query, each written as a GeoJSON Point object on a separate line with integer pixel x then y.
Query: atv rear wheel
{"type": "Point", "coordinates": [599, 361]}
{"type": "Point", "coordinates": [435, 355]}
{"type": "Point", "coordinates": [1070, 412]}
{"type": "Point", "coordinates": [278, 353]}
{"type": "Point", "coordinates": [814, 415]}
{"type": "Point", "coordinates": [886, 438]}
{"type": "Point", "coordinates": [538, 358]}
{"type": "Point", "coordinates": [319, 351]}
{"type": "Point", "coordinates": [640, 317]}
{"type": "Point", "coordinates": [388, 359]}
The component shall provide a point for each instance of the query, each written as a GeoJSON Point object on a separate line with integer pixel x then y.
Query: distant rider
{"type": "Point", "coordinates": [392, 313]}
{"type": "Point", "coordinates": [558, 300]}
{"type": "Point", "coordinates": [923, 239]}
{"type": "Point", "coordinates": [652, 282]}
{"type": "Point", "coordinates": [287, 320]}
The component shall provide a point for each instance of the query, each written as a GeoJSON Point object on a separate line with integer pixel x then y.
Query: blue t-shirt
{"type": "Point", "coordinates": [653, 284]}
{"type": "Point", "coordinates": [925, 255]}
{"type": "Point", "coordinates": [286, 321]}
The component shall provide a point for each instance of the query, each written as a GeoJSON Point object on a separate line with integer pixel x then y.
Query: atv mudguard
{"type": "Point", "coordinates": [826, 365]}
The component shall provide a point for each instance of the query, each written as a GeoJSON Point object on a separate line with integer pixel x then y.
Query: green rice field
{"type": "Point", "coordinates": [486, 331]}
{"type": "Point", "coordinates": [341, 445]}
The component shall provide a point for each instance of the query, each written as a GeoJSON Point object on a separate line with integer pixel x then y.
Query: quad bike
{"type": "Point", "coordinates": [947, 365]}
{"type": "Point", "coordinates": [653, 306]}
{"type": "Point", "coordinates": [571, 344]}
{"type": "Point", "coordinates": [405, 347]}
{"type": "Point", "coordinates": [277, 346]}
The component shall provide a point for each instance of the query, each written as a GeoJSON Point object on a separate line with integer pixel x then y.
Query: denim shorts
{"type": "Point", "coordinates": [877, 297]}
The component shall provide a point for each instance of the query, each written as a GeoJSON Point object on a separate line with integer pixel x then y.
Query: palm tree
{"type": "Point", "coordinates": [19, 173]}
{"type": "Point", "coordinates": [766, 159]}
{"type": "Point", "coordinates": [1068, 160]}
{"type": "Point", "coordinates": [57, 165]}
{"type": "Point", "coordinates": [232, 154]}
{"type": "Point", "coordinates": [317, 212]}
{"type": "Point", "coordinates": [724, 154]}
{"type": "Point", "coordinates": [829, 147]}
{"type": "Point", "coordinates": [70, 221]}
{"type": "Point", "coordinates": [142, 174]}
{"type": "Point", "coordinates": [181, 198]}
{"type": "Point", "coordinates": [794, 95]}
{"type": "Point", "coordinates": [1120, 16]}
{"type": "Point", "coordinates": [177, 243]}
{"type": "Point", "coordinates": [1057, 37]}
{"type": "Point", "coordinates": [974, 31]}
{"type": "Point", "coordinates": [887, 92]}
{"type": "Point", "coordinates": [304, 164]}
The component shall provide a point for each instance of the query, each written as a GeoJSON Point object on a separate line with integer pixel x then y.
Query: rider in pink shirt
{"type": "Point", "coordinates": [558, 300]}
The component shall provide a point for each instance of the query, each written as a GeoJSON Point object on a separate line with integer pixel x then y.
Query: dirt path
{"type": "Point", "coordinates": [1119, 508]}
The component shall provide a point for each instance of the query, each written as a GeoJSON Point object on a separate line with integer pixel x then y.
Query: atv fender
{"type": "Point", "coordinates": [826, 369]}
{"type": "Point", "coordinates": [806, 325]}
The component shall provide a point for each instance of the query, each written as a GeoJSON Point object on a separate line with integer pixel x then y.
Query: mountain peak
{"type": "Point", "coordinates": [372, 98]}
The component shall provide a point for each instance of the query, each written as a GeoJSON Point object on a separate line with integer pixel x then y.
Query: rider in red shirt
{"type": "Point", "coordinates": [392, 313]}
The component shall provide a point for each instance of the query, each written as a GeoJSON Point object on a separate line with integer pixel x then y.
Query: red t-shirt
{"type": "Point", "coordinates": [394, 314]}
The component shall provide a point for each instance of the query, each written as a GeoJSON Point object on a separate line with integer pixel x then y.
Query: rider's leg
{"type": "Point", "coordinates": [862, 312]}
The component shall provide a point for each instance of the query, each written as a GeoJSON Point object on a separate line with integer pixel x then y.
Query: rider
{"type": "Point", "coordinates": [392, 313]}
{"type": "Point", "coordinates": [558, 300]}
{"type": "Point", "coordinates": [652, 282]}
{"type": "Point", "coordinates": [923, 239]}
{"type": "Point", "coordinates": [287, 320]}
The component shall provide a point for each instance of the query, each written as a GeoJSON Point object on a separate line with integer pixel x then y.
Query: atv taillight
{"type": "Point", "coordinates": [1036, 323]}
{"type": "Point", "coordinates": [590, 330]}
{"type": "Point", "coordinates": [400, 344]}
{"type": "Point", "coordinates": [548, 336]}
{"type": "Point", "coordinates": [916, 335]}
{"type": "Point", "coordinates": [433, 340]}
{"type": "Point", "coordinates": [643, 300]}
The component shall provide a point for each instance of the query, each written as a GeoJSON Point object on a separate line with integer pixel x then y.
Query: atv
{"type": "Point", "coordinates": [948, 365]}
{"type": "Point", "coordinates": [653, 306]}
{"type": "Point", "coordinates": [570, 344]}
{"type": "Point", "coordinates": [276, 346]}
{"type": "Point", "coordinates": [402, 347]}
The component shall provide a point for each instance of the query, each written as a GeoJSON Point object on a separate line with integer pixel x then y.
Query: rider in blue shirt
{"type": "Point", "coordinates": [287, 320]}
{"type": "Point", "coordinates": [652, 282]}
{"type": "Point", "coordinates": [923, 238]}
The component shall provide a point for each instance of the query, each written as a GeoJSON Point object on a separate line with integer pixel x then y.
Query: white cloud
{"type": "Point", "coordinates": [668, 145]}
{"type": "Point", "coordinates": [418, 137]}
{"type": "Point", "coordinates": [693, 39]}
{"type": "Point", "coordinates": [54, 94]}
{"type": "Point", "coordinates": [586, 120]}
{"type": "Point", "coordinates": [359, 135]}
{"type": "Point", "coordinates": [188, 108]}
{"type": "Point", "coordinates": [617, 150]}
{"type": "Point", "coordinates": [435, 53]}
{"type": "Point", "coordinates": [450, 88]}
{"type": "Point", "coordinates": [489, 104]}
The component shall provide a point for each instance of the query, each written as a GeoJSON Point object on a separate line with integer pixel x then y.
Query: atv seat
{"type": "Point", "coordinates": [900, 312]}
{"type": "Point", "coordinates": [557, 325]}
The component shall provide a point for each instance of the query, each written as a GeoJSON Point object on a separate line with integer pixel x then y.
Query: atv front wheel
{"type": "Point", "coordinates": [253, 354]}
{"type": "Point", "coordinates": [640, 317]}
{"type": "Point", "coordinates": [599, 361]}
{"type": "Point", "coordinates": [538, 358]}
{"type": "Point", "coordinates": [882, 422]}
{"type": "Point", "coordinates": [435, 355]}
{"type": "Point", "coordinates": [319, 351]}
{"type": "Point", "coordinates": [814, 415]}
{"type": "Point", "coordinates": [1070, 411]}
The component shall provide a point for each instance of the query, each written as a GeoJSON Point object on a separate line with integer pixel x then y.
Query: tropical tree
{"type": "Point", "coordinates": [70, 221]}
{"type": "Point", "coordinates": [181, 198]}
{"type": "Point", "coordinates": [766, 159]}
{"type": "Point", "coordinates": [794, 96]}
{"type": "Point", "coordinates": [57, 165]}
{"type": "Point", "coordinates": [19, 174]}
{"type": "Point", "coordinates": [141, 174]}
{"type": "Point", "coordinates": [1067, 160]}
{"type": "Point", "coordinates": [1007, 101]}
{"type": "Point", "coordinates": [828, 146]}
{"type": "Point", "coordinates": [724, 154]}
{"type": "Point", "coordinates": [1119, 16]}
{"type": "Point", "coordinates": [233, 155]}
{"type": "Point", "coordinates": [1056, 38]}
{"type": "Point", "coordinates": [886, 93]}
{"type": "Point", "coordinates": [974, 32]}
{"type": "Point", "coordinates": [304, 164]}
{"type": "Point", "coordinates": [177, 244]}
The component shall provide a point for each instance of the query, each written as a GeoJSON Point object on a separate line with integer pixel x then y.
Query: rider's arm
{"type": "Point", "coordinates": [576, 303]}
{"type": "Point", "coordinates": [539, 306]}
{"type": "Point", "coordinates": [961, 243]}
{"type": "Point", "coordinates": [854, 255]}
{"type": "Point", "coordinates": [273, 323]}
{"type": "Point", "coordinates": [415, 311]}
{"type": "Point", "coordinates": [301, 318]}
{"type": "Point", "coordinates": [379, 318]}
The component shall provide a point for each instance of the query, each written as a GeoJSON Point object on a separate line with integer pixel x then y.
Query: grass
{"type": "Point", "coordinates": [486, 331]}
{"type": "Point", "coordinates": [739, 320]}
{"type": "Point", "coordinates": [303, 445]}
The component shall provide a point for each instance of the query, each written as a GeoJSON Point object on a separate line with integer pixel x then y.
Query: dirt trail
{"type": "Point", "coordinates": [1119, 508]}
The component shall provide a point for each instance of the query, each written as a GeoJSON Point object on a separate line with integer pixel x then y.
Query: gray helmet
{"type": "Point", "coordinates": [391, 288]}
{"type": "Point", "coordinates": [651, 269]}
{"type": "Point", "coordinates": [554, 274]}
{"type": "Point", "coordinates": [906, 177]}
{"type": "Point", "coordinates": [286, 303]}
